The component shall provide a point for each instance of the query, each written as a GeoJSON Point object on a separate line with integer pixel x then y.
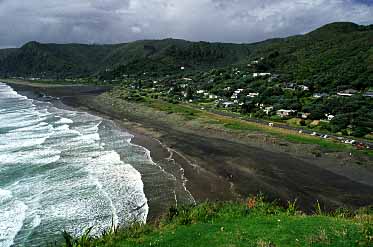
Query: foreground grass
{"type": "Point", "coordinates": [233, 224]}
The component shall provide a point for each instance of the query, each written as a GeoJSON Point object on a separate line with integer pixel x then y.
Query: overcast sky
{"type": "Point", "coordinates": [115, 21]}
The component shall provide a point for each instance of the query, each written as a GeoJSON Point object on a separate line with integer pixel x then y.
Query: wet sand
{"type": "Point", "coordinates": [220, 166]}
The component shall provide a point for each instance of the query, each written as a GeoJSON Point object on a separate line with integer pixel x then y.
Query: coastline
{"type": "Point", "coordinates": [221, 167]}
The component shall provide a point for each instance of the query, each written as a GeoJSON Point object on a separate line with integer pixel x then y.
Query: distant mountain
{"type": "Point", "coordinates": [339, 53]}
{"type": "Point", "coordinates": [4, 53]}
{"type": "Point", "coordinates": [61, 60]}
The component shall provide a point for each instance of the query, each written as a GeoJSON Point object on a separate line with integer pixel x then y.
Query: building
{"type": "Point", "coordinates": [268, 109]}
{"type": "Point", "coordinates": [329, 117]}
{"type": "Point", "coordinates": [303, 87]}
{"type": "Point", "coordinates": [347, 93]}
{"type": "Point", "coordinates": [368, 94]}
{"type": "Point", "coordinates": [261, 74]}
{"type": "Point", "coordinates": [252, 95]}
{"type": "Point", "coordinates": [285, 113]}
{"type": "Point", "coordinates": [320, 95]}
{"type": "Point", "coordinates": [304, 115]}
{"type": "Point", "coordinates": [228, 104]}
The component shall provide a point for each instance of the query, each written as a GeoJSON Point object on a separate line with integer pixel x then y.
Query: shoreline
{"type": "Point", "coordinates": [157, 152]}
{"type": "Point", "coordinates": [222, 169]}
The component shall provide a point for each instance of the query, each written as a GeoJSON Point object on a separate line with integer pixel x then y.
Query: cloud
{"type": "Point", "coordinates": [114, 21]}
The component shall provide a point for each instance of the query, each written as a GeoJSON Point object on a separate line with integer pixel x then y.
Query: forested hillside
{"type": "Point", "coordinates": [338, 55]}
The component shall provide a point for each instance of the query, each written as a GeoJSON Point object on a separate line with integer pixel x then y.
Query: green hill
{"type": "Point", "coordinates": [338, 54]}
{"type": "Point", "coordinates": [233, 224]}
{"type": "Point", "coordinates": [335, 55]}
{"type": "Point", "coordinates": [74, 60]}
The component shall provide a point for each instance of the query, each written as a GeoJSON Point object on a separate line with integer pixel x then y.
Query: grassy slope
{"type": "Point", "coordinates": [233, 224]}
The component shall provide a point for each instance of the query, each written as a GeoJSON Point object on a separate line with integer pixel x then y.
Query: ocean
{"type": "Point", "coordinates": [62, 170]}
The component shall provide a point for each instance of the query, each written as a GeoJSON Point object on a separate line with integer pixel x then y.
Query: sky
{"type": "Point", "coordinates": [118, 21]}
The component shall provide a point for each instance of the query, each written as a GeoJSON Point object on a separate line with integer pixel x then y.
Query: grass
{"type": "Point", "coordinates": [285, 134]}
{"type": "Point", "coordinates": [170, 108]}
{"type": "Point", "coordinates": [233, 224]}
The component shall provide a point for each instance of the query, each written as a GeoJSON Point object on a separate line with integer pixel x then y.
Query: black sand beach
{"type": "Point", "coordinates": [221, 166]}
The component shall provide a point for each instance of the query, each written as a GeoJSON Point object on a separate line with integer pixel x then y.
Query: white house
{"type": "Point", "coordinates": [329, 117]}
{"type": "Point", "coordinates": [228, 104]}
{"type": "Point", "coordinates": [348, 93]}
{"type": "Point", "coordinates": [268, 109]}
{"type": "Point", "coordinates": [304, 87]}
{"type": "Point", "coordinates": [285, 113]}
{"type": "Point", "coordinates": [253, 95]}
{"type": "Point", "coordinates": [320, 95]}
{"type": "Point", "coordinates": [201, 91]}
{"type": "Point", "coordinates": [368, 94]}
{"type": "Point", "coordinates": [260, 74]}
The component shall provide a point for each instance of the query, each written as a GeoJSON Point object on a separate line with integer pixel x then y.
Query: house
{"type": "Point", "coordinates": [200, 91]}
{"type": "Point", "coordinates": [348, 92]}
{"type": "Point", "coordinates": [187, 79]}
{"type": "Point", "coordinates": [228, 104]}
{"type": "Point", "coordinates": [320, 95]}
{"type": "Point", "coordinates": [304, 115]}
{"type": "Point", "coordinates": [182, 68]}
{"type": "Point", "coordinates": [260, 74]}
{"type": "Point", "coordinates": [268, 109]}
{"type": "Point", "coordinates": [211, 96]}
{"type": "Point", "coordinates": [237, 92]}
{"type": "Point", "coordinates": [303, 87]}
{"type": "Point", "coordinates": [285, 113]}
{"type": "Point", "coordinates": [289, 86]}
{"type": "Point", "coordinates": [329, 117]}
{"type": "Point", "coordinates": [252, 95]}
{"type": "Point", "coordinates": [368, 94]}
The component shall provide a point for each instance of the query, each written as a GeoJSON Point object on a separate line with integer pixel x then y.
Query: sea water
{"type": "Point", "coordinates": [61, 170]}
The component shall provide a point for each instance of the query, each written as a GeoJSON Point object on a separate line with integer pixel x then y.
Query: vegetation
{"type": "Point", "coordinates": [258, 223]}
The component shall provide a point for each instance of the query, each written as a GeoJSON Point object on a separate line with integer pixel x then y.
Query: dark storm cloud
{"type": "Point", "coordinates": [113, 21]}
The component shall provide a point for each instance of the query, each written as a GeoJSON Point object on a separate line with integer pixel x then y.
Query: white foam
{"type": "Point", "coordinates": [85, 188]}
{"type": "Point", "coordinates": [36, 157]}
{"type": "Point", "coordinates": [64, 121]}
{"type": "Point", "coordinates": [5, 195]}
{"type": "Point", "coordinates": [12, 217]}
